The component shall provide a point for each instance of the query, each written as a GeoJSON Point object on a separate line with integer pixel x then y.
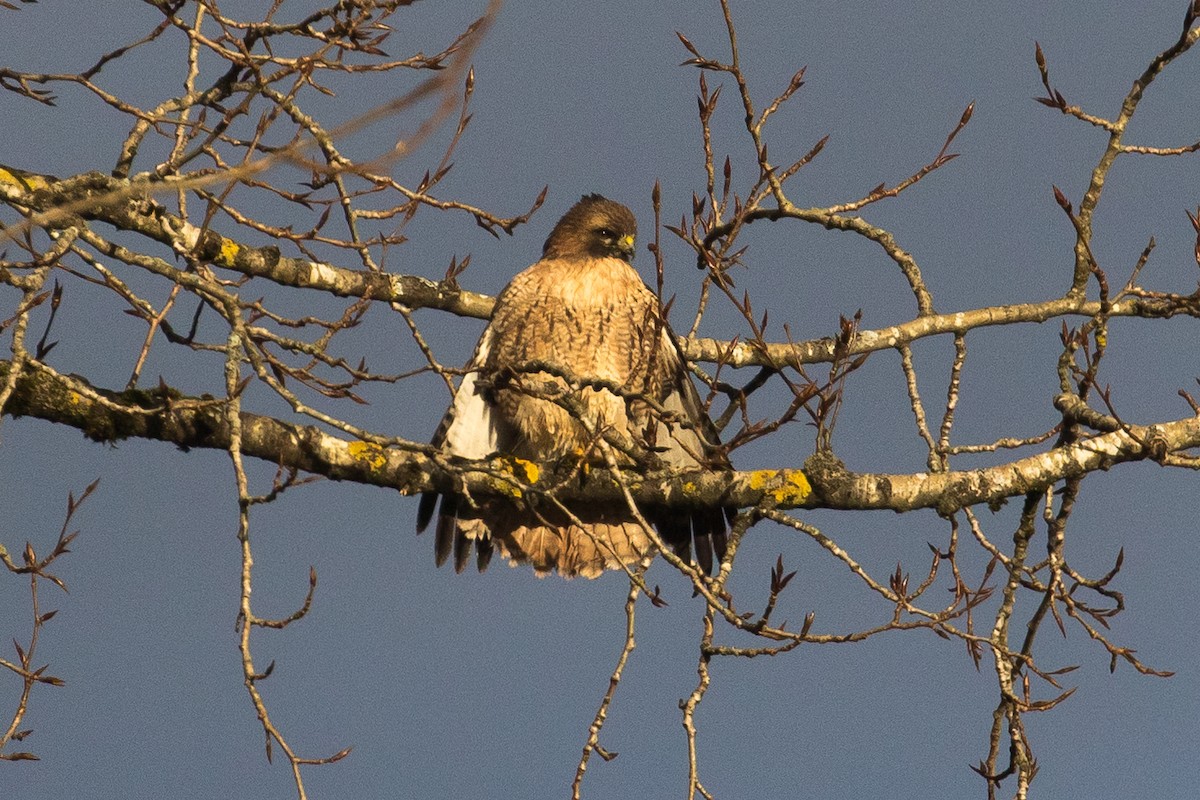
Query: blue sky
{"type": "Point", "coordinates": [484, 685]}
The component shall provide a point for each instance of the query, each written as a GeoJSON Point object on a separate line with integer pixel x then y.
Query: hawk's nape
{"type": "Point", "coordinates": [564, 334]}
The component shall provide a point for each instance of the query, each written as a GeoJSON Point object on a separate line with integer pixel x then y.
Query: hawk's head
{"type": "Point", "coordinates": [595, 227]}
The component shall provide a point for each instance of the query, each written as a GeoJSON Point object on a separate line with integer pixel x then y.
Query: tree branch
{"type": "Point", "coordinates": [126, 205]}
{"type": "Point", "coordinates": [165, 415]}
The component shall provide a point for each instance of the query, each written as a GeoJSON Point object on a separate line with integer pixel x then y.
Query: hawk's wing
{"type": "Point", "coordinates": [684, 438]}
{"type": "Point", "coordinates": [471, 429]}
{"type": "Point", "coordinates": [688, 441]}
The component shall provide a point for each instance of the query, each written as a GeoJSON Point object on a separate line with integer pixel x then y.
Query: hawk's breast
{"type": "Point", "coordinates": [589, 319]}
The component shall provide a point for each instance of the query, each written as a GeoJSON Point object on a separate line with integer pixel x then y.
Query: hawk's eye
{"type": "Point", "coordinates": [605, 233]}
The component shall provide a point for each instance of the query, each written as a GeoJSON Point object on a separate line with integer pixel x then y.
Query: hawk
{"type": "Point", "coordinates": [577, 352]}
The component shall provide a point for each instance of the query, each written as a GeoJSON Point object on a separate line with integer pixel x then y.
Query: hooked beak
{"type": "Point", "coordinates": [625, 245]}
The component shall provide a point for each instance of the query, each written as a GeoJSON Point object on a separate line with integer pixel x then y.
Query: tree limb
{"type": "Point", "coordinates": [165, 415]}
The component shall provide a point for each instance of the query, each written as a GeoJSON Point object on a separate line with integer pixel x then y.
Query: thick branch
{"type": "Point", "coordinates": [824, 483]}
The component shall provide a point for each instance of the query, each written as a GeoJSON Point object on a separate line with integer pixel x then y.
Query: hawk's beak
{"type": "Point", "coordinates": [625, 243]}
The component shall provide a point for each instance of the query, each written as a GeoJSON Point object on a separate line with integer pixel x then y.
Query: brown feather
{"type": "Point", "coordinates": [579, 316]}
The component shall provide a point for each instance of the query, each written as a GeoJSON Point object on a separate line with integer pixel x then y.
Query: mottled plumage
{"type": "Point", "coordinates": [580, 314]}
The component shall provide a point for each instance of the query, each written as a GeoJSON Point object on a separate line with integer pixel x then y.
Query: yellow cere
{"type": "Point", "coordinates": [368, 452]}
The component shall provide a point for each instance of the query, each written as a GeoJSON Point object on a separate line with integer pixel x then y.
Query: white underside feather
{"type": "Point", "coordinates": [473, 432]}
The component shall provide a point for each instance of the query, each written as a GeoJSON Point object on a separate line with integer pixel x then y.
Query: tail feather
{"type": "Point", "coordinates": [483, 553]}
{"type": "Point", "coordinates": [604, 541]}
{"type": "Point", "coordinates": [425, 510]}
{"type": "Point", "coordinates": [702, 536]}
{"type": "Point", "coordinates": [462, 551]}
{"type": "Point", "coordinates": [447, 529]}
{"type": "Point", "coordinates": [552, 542]}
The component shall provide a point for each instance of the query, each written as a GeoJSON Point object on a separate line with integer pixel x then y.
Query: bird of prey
{"type": "Point", "coordinates": [577, 353]}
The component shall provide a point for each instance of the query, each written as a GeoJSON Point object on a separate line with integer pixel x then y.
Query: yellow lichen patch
{"type": "Point", "coordinates": [789, 486]}
{"type": "Point", "coordinates": [795, 488]}
{"type": "Point", "coordinates": [690, 487]}
{"type": "Point", "coordinates": [532, 472]}
{"type": "Point", "coordinates": [229, 251]}
{"type": "Point", "coordinates": [759, 478]}
{"type": "Point", "coordinates": [369, 452]}
{"type": "Point", "coordinates": [75, 398]}
{"type": "Point", "coordinates": [584, 466]}
{"type": "Point", "coordinates": [521, 470]}
{"type": "Point", "coordinates": [507, 488]}
{"type": "Point", "coordinates": [23, 180]}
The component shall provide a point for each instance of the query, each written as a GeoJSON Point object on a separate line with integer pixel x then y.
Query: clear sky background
{"type": "Point", "coordinates": [484, 685]}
